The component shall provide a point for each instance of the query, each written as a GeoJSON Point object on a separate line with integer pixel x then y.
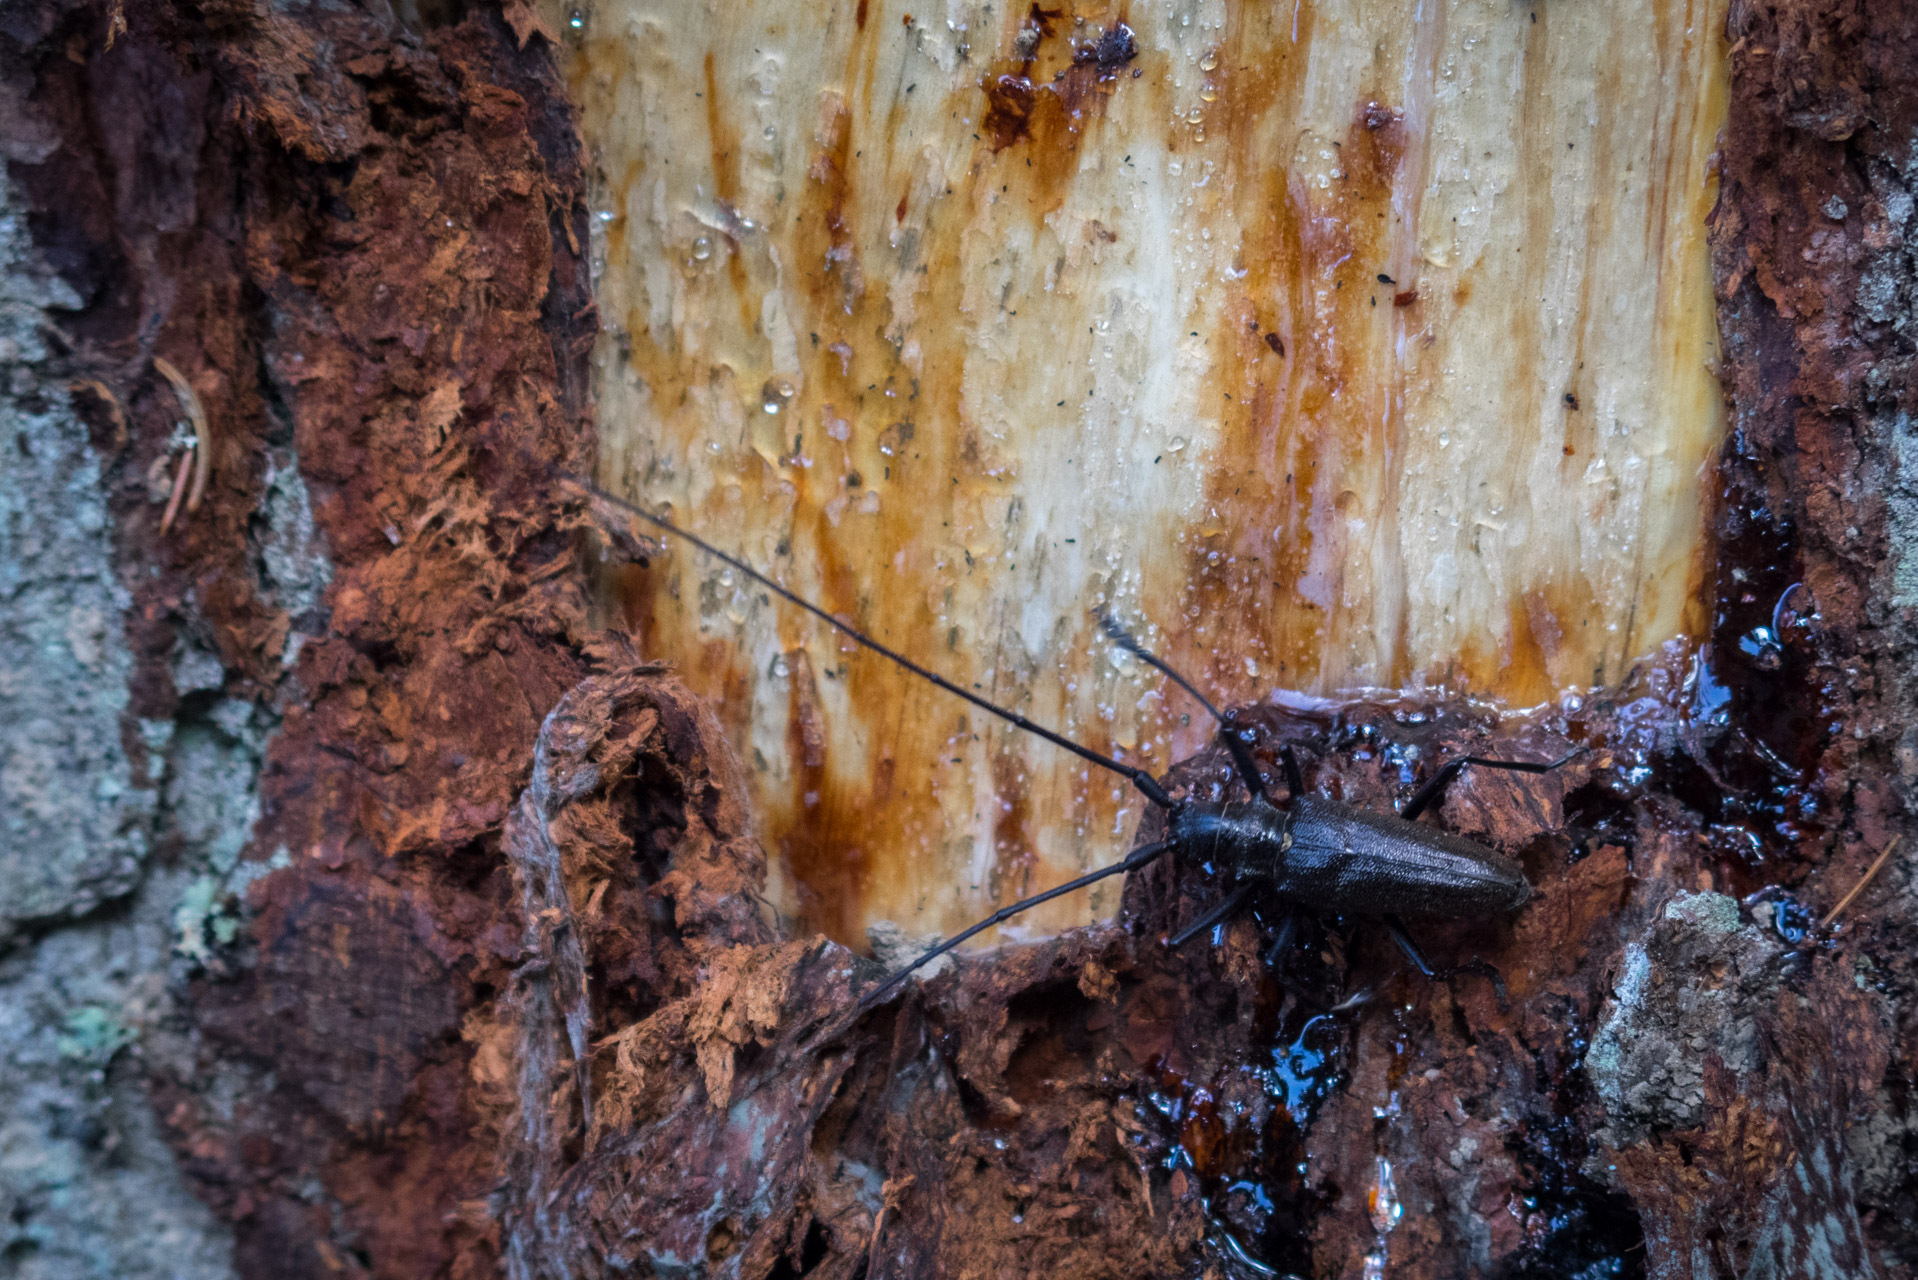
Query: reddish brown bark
{"type": "Point", "coordinates": [363, 245]}
{"type": "Point", "coordinates": [507, 1001]}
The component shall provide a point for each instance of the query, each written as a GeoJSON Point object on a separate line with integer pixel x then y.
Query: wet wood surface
{"type": "Point", "coordinates": [1331, 345]}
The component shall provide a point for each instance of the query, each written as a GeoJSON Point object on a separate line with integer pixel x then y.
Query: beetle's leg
{"type": "Point", "coordinates": [1433, 789]}
{"type": "Point", "coordinates": [1283, 937]}
{"type": "Point", "coordinates": [1396, 928]}
{"type": "Point", "coordinates": [1294, 781]}
{"type": "Point", "coordinates": [1241, 754]}
{"type": "Point", "coordinates": [1242, 758]}
{"type": "Point", "coordinates": [1233, 901]}
{"type": "Point", "coordinates": [1411, 949]}
{"type": "Point", "coordinates": [1282, 940]}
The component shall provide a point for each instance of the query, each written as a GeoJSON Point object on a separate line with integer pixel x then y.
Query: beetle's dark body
{"type": "Point", "coordinates": [1330, 856]}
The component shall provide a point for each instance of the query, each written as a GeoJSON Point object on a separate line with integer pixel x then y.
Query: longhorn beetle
{"type": "Point", "coordinates": [1312, 853]}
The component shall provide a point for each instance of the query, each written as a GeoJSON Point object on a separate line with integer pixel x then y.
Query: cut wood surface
{"type": "Point", "coordinates": [1331, 345]}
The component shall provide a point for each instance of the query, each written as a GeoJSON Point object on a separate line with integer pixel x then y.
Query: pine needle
{"type": "Point", "coordinates": [1863, 880]}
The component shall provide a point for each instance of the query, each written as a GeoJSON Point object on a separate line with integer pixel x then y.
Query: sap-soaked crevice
{"type": "Point", "coordinates": [1575, 1225]}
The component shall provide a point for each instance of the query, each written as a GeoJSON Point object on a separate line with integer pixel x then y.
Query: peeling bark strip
{"type": "Point", "coordinates": [362, 248]}
{"type": "Point", "coordinates": [549, 987]}
{"type": "Point", "coordinates": [569, 847]}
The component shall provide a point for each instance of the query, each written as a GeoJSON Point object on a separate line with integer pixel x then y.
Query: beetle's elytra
{"type": "Point", "coordinates": [1329, 856]}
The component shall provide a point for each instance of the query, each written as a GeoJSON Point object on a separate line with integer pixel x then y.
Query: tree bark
{"type": "Point", "coordinates": [362, 884]}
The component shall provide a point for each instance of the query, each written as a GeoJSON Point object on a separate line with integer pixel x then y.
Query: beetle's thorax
{"type": "Point", "coordinates": [1249, 837]}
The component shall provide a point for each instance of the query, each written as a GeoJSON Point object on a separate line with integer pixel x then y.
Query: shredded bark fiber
{"type": "Point", "coordinates": [1100, 1105]}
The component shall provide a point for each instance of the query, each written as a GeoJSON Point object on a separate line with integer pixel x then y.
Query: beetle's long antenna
{"type": "Point", "coordinates": [1138, 777]}
{"type": "Point", "coordinates": [1131, 862]}
{"type": "Point", "coordinates": [1241, 754]}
